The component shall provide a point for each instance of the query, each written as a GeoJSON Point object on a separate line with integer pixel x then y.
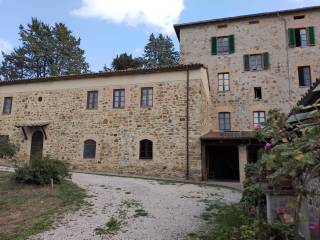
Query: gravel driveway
{"type": "Point", "coordinates": [138, 209]}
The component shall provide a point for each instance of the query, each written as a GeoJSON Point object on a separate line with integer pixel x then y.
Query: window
{"type": "Point", "coordinates": [89, 150]}
{"type": "Point", "coordinates": [147, 97]}
{"type": "Point", "coordinates": [7, 105]}
{"type": "Point", "coordinates": [258, 118]}
{"type": "Point", "coordinates": [257, 93]}
{"type": "Point", "coordinates": [92, 100]}
{"type": "Point", "coordinates": [118, 98]}
{"type": "Point", "coordinates": [222, 26]}
{"type": "Point", "coordinates": [222, 45]}
{"type": "Point", "coordinates": [146, 149]}
{"type": "Point", "coordinates": [304, 76]}
{"type": "Point", "coordinates": [256, 62]}
{"type": "Point", "coordinates": [254, 22]}
{"type": "Point", "coordinates": [298, 17]}
{"type": "Point", "coordinates": [224, 121]}
{"type": "Point", "coordinates": [301, 37]}
{"type": "Point", "coordinates": [223, 83]}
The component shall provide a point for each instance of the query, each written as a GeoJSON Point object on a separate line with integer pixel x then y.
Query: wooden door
{"type": "Point", "coordinates": [36, 144]}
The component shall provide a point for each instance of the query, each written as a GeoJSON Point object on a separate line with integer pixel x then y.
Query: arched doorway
{"type": "Point", "coordinates": [36, 144]}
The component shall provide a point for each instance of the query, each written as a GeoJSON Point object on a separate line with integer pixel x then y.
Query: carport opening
{"type": "Point", "coordinates": [223, 163]}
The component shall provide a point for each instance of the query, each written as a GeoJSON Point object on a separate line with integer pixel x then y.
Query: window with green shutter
{"type": "Point", "coordinates": [292, 37]}
{"type": "Point", "coordinates": [213, 46]}
{"type": "Point", "coordinates": [301, 37]}
{"type": "Point", "coordinates": [311, 36]}
{"type": "Point", "coordinates": [265, 60]}
{"type": "Point", "coordinates": [256, 62]}
{"type": "Point", "coordinates": [246, 60]}
{"type": "Point", "coordinates": [231, 44]}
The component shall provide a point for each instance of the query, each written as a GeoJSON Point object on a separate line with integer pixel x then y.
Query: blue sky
{"type": "Point", "coordinates": [110, 27]}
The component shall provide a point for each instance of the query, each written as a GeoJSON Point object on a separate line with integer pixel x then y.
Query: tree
{"type": "Point", "coordinates": [125, 61]}
{"type": "Point", "coordinates": [160, 51]}
{"type": "Point", "coordinates": [45, 51]}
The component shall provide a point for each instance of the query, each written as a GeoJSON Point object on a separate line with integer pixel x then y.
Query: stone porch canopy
{"type": "Point", "coordinates": [33, 124]}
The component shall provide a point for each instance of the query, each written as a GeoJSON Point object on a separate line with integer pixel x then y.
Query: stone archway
{"type": "Point", "coordinates": [36, 144]}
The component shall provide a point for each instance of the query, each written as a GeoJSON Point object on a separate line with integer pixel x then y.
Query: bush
{"type": "Point", "coordinates": [234, 222]}
{"type": "Point", "coordinates": [41, 170]}
{"type": "Point", "coordinates": [7, 149]}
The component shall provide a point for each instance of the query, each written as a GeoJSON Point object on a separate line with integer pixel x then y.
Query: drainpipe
{"type": "Point", "coordinates": [187, 122]}
{"type": "Point", "coordinates": [287, 51]}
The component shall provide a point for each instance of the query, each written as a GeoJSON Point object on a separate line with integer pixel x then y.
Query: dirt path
{"type": "Point", "coordinates": [128, 209]}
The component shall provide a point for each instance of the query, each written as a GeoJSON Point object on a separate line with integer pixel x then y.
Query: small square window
{"type": "Point", "coordinates": [257, 93]}
{"type": "Point", "coordinates": [7, 105]}
{"type": "Point", "coordinates": [298, 17]}
{"type": "Point", "coordinates": [304, 76]}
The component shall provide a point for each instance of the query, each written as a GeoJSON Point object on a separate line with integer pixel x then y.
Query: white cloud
{"type": "Point", "coordinates": [159, 13]}
{"type": "Point", "coordinates": [5, 46]}
{"type": "Point", "coordinates": [302, 3]}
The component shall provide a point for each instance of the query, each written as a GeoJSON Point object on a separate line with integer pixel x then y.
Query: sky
{"type": "Point", "coordinates": [111, 27]}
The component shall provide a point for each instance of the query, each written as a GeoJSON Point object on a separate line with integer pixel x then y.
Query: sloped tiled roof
{"type": "Point", "coordinates": [172, 68]}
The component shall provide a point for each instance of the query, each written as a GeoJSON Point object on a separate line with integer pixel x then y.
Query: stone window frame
{"type": "Point", "coordinates": [223, 45]}
{"type": "Point", "coordinates": [223, 83]}
{"type": "Point", "coordinates": [89, 149]}
{"type": "Point", "coordinates": [146, 149]}
{"type": "Point", "coordinates": [305, 78]}
{"type": "Point", "coordinates": [224, 121]}
{"type": "Point", "coordinates": [259, 117]}
{"type": "Point", "coordinates": [92, 99]}
{"type": "Point", "coordinates": [119, 101]}
{"type": "Point", "coordinates": [7, 105]}
{"type": "Point", "coordinates": [146, 98]}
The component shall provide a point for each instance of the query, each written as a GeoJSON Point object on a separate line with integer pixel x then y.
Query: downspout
{"type": "Point", "coordinates": [287, 51]}
{"type": "Point", "coordinates": [187, 126]}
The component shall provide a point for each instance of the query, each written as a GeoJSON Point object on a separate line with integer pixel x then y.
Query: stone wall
{"type": "Point", "coordinates": [269, 35]}
{"type": "Point", "coordinates": [117, 132]}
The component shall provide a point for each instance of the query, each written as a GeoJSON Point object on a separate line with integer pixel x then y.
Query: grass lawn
{"type": "Point", "coordinates": [29, 209]}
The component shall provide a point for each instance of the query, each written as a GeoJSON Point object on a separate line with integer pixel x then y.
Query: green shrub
{"type": "Point", "coordinates": [234, 222]}
{"type": "Point", "coordinates": [251, 193]}
{"type": "Point", "coordinates": [41, 170]}
{"type": "Point", "coordinates": [7, 149]}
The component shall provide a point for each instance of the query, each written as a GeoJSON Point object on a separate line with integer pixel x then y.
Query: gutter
{"type": "Point", "coordinates": [287, 52]}
{"type": "Point", "coordinates": [187, 127]}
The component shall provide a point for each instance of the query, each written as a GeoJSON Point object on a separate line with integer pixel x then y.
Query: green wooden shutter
{"type": "Point", "coordinates": [231, 44]}
{"type": "Point", "coordinates": [311, 36]}
{"type": "Point", "coordinates": [213, 46]}
{"type": "Point", "coordinates": [292, 37]}
{"type": "Point", "coordinates": [246, 60]}
{"type": "Point", "coordinates": [266, 63]}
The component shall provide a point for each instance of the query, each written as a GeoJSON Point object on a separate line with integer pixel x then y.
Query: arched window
{"type": "Point", "coordinates": [89, 150]}
{"type": "Point", "coordinates": [145, 149]}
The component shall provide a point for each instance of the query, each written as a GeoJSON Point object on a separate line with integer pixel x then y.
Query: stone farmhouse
{"type": "Point", "coordinates": [193, 120]}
